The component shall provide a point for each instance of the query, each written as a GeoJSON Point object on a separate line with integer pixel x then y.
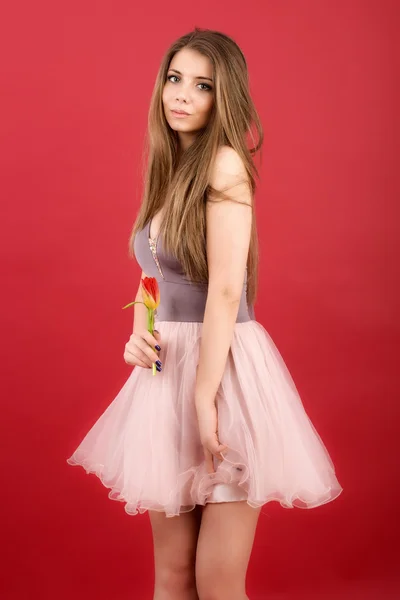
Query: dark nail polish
{"type": "Point", "coordinates": [158, 347]}
{"type": "Point", "coordinates": [158, 368]}
{"type": "Point", "coordinates": [159, 363]}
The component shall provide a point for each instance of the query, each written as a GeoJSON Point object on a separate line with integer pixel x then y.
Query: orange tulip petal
{"type": "Point", "coordinates": [150, 292]}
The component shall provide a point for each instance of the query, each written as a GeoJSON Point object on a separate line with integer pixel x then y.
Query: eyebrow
{"type": "Point", "coordinates": [179, 73]}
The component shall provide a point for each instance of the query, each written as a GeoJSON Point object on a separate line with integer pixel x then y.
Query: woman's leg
{"type": "Point", "coordinates": [175, 541]}
{"type": "Point", "coordinates": [223, 550]}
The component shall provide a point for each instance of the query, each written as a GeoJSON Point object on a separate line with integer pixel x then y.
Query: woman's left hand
{"type": "Point", "coordinates": [207, 418]}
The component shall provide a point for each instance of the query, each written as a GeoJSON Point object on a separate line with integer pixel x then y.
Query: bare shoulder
{"type": "Point", "coordinates": [228, 174]}
{"type": "Point", "coordinates": [227, 168]}
{"type": "Point", "coordinates": [229, 222]}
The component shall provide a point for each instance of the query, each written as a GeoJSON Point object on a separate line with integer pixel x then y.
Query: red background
{"type": "Point", "coordinates": [77, 79]}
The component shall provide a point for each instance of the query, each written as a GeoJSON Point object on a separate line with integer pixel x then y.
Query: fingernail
{"type": "Point", "coordinates": [158, 347]}
{"type": "Point", "coordinates": [158, 368]}
{"type": "Point", "coordinates": [159, 363]}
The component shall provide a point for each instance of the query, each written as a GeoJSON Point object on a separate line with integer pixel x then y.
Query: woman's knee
{"type": "Point", "coordinates": [226, 592]}
{"type": "Point", "coordinates": [220, 583]}
{"type": "Point", "coordinates": [176, 578]}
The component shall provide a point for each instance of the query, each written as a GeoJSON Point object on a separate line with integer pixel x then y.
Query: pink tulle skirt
{"type": "Point", "coordinates": [146, 448]}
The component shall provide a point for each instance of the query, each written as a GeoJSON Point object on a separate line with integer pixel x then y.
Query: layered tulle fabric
{"type": "Point", "coordinates": [145, 447]}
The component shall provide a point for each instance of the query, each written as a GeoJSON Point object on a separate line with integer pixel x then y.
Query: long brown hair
{"type": "Point", "coordinates": [181, 178]}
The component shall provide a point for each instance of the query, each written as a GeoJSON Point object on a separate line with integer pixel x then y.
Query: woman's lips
{"type": "Point", "coordinates": [179, 115]}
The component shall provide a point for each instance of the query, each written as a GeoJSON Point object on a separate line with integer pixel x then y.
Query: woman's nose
{"type": "Point", "coordinates": [182, 94]}
{"type": "Point", "coordinates": [181, 97]}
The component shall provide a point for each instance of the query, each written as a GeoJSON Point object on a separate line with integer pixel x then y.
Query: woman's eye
{"type": "Point", "coordinates": [206, 86]}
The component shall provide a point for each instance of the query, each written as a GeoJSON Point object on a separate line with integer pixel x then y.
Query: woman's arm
{"type": "Point", "coordinates": [228, 225]}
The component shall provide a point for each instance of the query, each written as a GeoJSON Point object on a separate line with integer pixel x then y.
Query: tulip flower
{"type": "Point", "coordinates": [151, 299]}
{"type": "Point", "coordinates": [150, 292]}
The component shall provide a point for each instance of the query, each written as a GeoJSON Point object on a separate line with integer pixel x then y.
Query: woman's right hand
{"type": "Point", "coordinates": [139, 349]}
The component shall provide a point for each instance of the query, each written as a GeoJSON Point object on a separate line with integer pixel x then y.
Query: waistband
{"type": "Point", "coordinates": [187, 303]}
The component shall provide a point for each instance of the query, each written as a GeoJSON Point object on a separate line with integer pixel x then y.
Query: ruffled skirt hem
{"type": "Point", "coordinates": [145, 447]}
{"type": "Point", "coordinates": [238, 492]}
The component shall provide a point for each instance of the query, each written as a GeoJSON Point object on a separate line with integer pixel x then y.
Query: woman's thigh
{"type": "Point", "coordinates": [175, 542]}
{"type": "Point", "coordinates": [223, 550]}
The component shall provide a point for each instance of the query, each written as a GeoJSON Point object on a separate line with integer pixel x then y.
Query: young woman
{"type": "Point", "coordinates": [220, 429]}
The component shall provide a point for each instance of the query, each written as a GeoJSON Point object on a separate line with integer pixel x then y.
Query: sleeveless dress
{"type": "Point", "coordinates": [145, 446]}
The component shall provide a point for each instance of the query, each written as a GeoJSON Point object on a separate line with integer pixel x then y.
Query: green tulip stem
{"type": "Point", "coordinates": [150, 327]}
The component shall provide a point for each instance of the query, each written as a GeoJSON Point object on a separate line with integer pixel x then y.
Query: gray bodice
{"type": "Point", "coordinates": [180, 298]}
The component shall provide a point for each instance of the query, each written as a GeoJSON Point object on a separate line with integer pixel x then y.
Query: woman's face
{"type": "Point", "coordinates": [189, 87]}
